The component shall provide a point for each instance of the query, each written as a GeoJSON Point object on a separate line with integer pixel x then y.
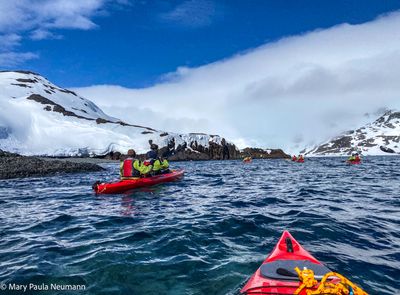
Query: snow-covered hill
{"type": "Point", "coordinates": [381, 137]}
{"type": "Point", "coordinates": [40, 118]}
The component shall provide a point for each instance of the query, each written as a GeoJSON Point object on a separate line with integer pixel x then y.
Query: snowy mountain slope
{"type": "Point", "coordinates": [40, 118]}
{"type": "Point", "coordinates": [381, 137]}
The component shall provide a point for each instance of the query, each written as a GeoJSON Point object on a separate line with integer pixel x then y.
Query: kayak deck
{"type": "Point", "coordinates": [129, 184]}
{"type": "Point", "coordinates": [276, 275]}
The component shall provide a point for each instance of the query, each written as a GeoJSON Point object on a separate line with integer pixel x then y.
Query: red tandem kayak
{"type": "Point", "coordinates": [277, 274]}
{"type": "Point", "coordinates": [128, 184]}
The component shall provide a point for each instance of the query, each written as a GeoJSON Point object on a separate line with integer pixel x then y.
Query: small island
{"type": "Point", "coordinates": [17, 166]}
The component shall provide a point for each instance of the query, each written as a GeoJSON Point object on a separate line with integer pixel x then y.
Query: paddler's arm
{"type": "Point", "coordinates": [144, 170]}
{"type": "Point", "coordinates": [164, 164]}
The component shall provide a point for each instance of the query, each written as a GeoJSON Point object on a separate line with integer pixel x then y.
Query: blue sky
{"type": "Point", "coordinates": [136, 43]}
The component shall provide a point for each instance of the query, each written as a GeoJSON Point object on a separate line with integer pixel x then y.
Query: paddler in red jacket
{"type": "Point", "coordinates": [294, 158]}
{"type": "Point", "coordinates": [132, 167]}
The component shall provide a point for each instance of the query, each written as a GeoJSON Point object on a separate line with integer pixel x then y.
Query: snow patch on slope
{"type": "Point", "coordinates": [381, 137]}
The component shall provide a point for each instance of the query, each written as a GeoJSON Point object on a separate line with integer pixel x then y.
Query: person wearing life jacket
{"type": "Point", "coordinates": [294, 158]}
{"type": "Point", "coordinates": [160, 166]}
{"type": "Point", "coordinates": [132, 167]}
{"type": "Point", "coordinates": [300, 158]}
{"type": "Point", "coordinates": [354, 156]}
{"type": "Point", "coordinates": [357, 158]}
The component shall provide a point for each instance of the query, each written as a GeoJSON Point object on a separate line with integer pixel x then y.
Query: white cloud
{"type": "Point", "coordinates": [41, 34]}
{"type": "Point", "coordinates": [40, 18]}
{"type": "Point", "coordinates": [9, 41]}
{"type": "Point", "coordinates": [26, 15]}
{"type": "Point", "coordinates": [11, 59]}
{"type": "Point", "coordinates": [299, 90]}
{"type": "Point", "coordinates": [191, 13]}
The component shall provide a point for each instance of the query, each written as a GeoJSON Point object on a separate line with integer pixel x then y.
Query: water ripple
{"type": "Point", "coordinates": [206, 234]}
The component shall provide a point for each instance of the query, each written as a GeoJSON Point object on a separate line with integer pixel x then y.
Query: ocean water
{"type": "Point", "coordinates": [205, 234]}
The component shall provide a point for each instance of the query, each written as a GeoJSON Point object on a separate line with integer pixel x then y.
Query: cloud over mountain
{"type": "Point", "coordinates": [290, 93]}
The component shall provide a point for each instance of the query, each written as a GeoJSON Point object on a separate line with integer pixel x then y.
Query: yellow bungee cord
{"type": "Point", "coordinates": [342, 287]}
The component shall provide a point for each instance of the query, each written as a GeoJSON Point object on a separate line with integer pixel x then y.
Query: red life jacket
{"type": "Point", "coordinates": [127, 168]}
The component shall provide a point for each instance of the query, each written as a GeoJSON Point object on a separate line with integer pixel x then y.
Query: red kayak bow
{"type": "Point", "coordinates": [276, 275]}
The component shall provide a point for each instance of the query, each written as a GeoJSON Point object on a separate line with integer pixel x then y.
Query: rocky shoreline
{"type": "Point", "coordinates": [225, 151]}
{"type": "Point", "coordinates": [17, 166]}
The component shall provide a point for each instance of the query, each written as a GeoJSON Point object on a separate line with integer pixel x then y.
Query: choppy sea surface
{"type": "Point", "coordinates": [205, 234]}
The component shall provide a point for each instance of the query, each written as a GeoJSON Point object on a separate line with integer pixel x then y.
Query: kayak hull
{"type": "Point", "coordinates": [287, 254]}
{"type": "Point", "coordinates": [129, 184]}
{"type": "Point", "coordinates": [353, 162]}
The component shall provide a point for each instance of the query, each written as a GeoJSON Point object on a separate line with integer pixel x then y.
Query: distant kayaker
{"type": "Point", "coordinates": [247, 159]}
{"type": "Point", "coordinates": [132, 167]}
{"type": "Point", "coordinates": [294, 158]}
{"type": "Point", "coordinates": [355, 157]}
{"type": "Point", "coordinates": [300, 158]}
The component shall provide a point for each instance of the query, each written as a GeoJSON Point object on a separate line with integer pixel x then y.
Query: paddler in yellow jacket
{"type": "Point", "coordinates": [160, 166]}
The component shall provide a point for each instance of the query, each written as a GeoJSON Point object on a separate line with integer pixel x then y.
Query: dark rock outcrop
{"type": "Point", "coordinates": [102, 121]}
{"type": "Point", "coordinates": [343, 142]}
{"type": "Point", "coordinates": [215, 151]}
{"type": "Point", "coordinates": [27, 80]}
{"type": "Point", "coordinates": [16, 166]}
{"type": "Point", "coordinates": [196, 151]}
{"type": "Point", "coordinates": [189, 155]}
{"type": "Point", "coordinates": [56, 107]}
{"type": "Point", "coordinates": [257, 153]}
{"type": "Point", "coordinates": [21, 85]}
{"type": "Point", "coordinates": [387, 149]}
